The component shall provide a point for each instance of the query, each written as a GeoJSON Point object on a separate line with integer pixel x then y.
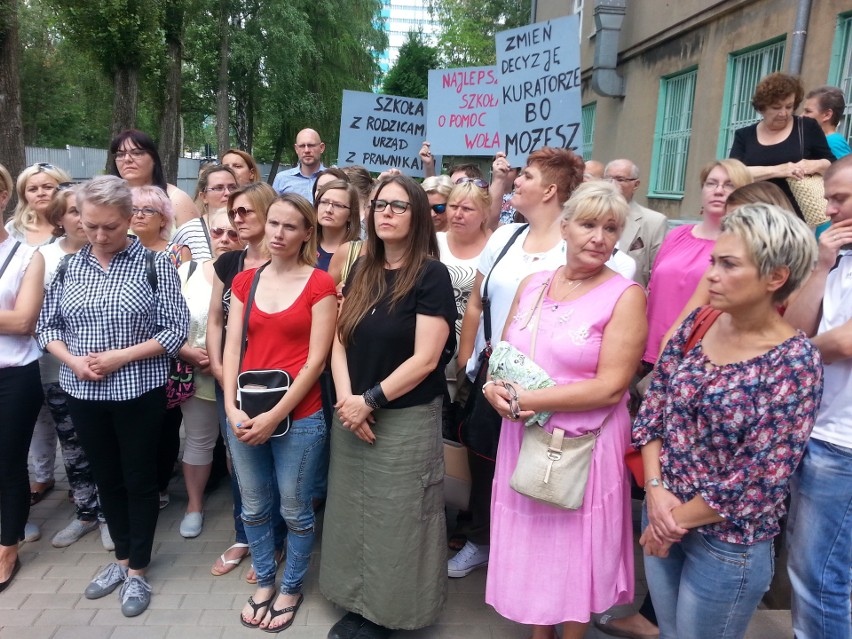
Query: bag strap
{"type": "Point", "coordinates": [351, 256]}
{"type": "Point", "coordinates": [247, 312]}
{"type": "Point", "coordinates": [486, 301]}
{"type": "Point", "coordinates": [192, 266]}
{"type": "Point", "coordinates": [9, 257]}
{"type": "Point", "coordinates": [537, 316]}
{"type": "Point", "coordinates": [703, 321]}
{"type": "Point", "coordinates": [206, 234]}
{"type": "Point", "coordinates": [800, 126]}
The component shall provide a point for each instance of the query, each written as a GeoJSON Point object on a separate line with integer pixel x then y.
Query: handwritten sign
{"type": "Point", "coordinates": [463, 115]}
{"type": "Point", "coordinates": [539, 76]}
{"type": "Point", "coordinates": [382, 132]}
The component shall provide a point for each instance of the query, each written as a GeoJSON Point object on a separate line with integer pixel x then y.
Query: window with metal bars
{"type": "Point", "coordinates": [588, 122]}
{"type": "Point", "coordinates": [671, 134]}
{"type": "Point", "coordinates": [745, 70]}
{"type": "Point", "coordinates": [840, 73]}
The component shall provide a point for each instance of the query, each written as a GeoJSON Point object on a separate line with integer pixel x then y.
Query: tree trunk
{"type": "Point", "coordinates": [125, 82]}
{"type": "Point", "coordinates": [222, 125]}
{"type": "Point", "coordinates": [169, 146]}
{"type": "Point", "coordinates": [276, 159]}
{"type": "Point", "coordinates": [12, 154]}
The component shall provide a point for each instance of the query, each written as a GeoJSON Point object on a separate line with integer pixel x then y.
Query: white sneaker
{"type": "Point", "coordinates": [468, 559]}
{"type": "Point", "coordinates": [106, 539]}
{"type": "Point", "coordinates": [73, 532]}
{"type": "Point", "coordinates": [191, 525]}
{"type": "Point", "coordinates": [31, 532]}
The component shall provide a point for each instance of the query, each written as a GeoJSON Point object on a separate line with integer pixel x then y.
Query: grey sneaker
{"type": "Point", "coordinates": [31, 532]}
{"type": "Point", "coordinates": [106, 538]}
{"type": "Point", "coordinates": [107, 581]}
{"type": "Point", "coordinates": [135, 596]}
{"type": "Point", "coordinates": [73, 532]}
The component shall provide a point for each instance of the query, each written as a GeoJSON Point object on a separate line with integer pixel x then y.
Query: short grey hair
{"type": "Point", "coordinates": [441, 184]}
{"type": "Point", "coordinates": [593, 200]}
{"type": "Point", "coordinates": [107, 190]}
{"type": "Point", "coordinates": [775, 238]}
{"type": "Point", "coordinates": [634, 170]}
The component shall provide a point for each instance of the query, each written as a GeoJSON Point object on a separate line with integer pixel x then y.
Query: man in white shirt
{"type": "Point", "coordinates": [819, 527]}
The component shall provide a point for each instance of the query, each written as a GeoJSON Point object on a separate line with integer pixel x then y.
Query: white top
{"type": "Point", "coordinates": [192, 234]}
{"type": "Point", "coordinates": [197, 291]}
{"type": "Point", "coordinates": [834, 420]}
{"type": "Point", "coordinates": [515, 265]}
{"type": "Point", "coordinates": [48, 364]}
{"type": "Point", "coordinates": [15, 350]}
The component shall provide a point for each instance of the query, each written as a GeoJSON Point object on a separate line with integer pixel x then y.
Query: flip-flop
{"type": "Point", "coordinates": [272, 612]}
{"type": "Point", "coordinates": [255, 607]}
{"type": "Point", "coordinates": [229, 564]}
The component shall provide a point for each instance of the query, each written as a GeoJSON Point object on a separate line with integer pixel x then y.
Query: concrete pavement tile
{"type": "Point", "coordinates": [185, 617]}
{"type": "Point", "coordinates": [139, 632]}
{"type": "Point", "coordinates": [228, 619]}
{"type": "Point", "coordinates": [482, 615]}
{"type": "Point", "coordinates": [12, 600]}
{"type": "Point", "coordinates": [19, 618]}
{"type": "Point", "coordinates": [51, 601]}
{"type": "Point", "coordinates": [83, 632]}
{"type": "Point", "coordinates": [199, 632]}
{"type": "Point", "coordinates": [74, 585]}
{"type": "Point", "coordinates": [219, 601]}
{"type": "Point", "coordinates": [56, 617]}
{"type": "Point", "coordinates": [181, 586]}
{"type": "Point", "coordinates": [36, 632]}
{"type": "Point", "coordinates": [230, 583]}
{"type": "Point", "coordinates": [66, 572]}
{"type": "Point", "coordinates": [113, 617]}
{"type": "Point", "coordinates": [63, 557]}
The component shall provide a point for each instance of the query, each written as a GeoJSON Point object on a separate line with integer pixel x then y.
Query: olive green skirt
{"type": "Point", "coordinates": [384, 544]}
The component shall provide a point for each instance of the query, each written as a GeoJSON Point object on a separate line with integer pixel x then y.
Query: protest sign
{"type": "Point", "coordinates": [539, 79]}
{"type": "Point", "coordinates": [463, 114]}
{"type": "Point", "coordinates": [382, 132]}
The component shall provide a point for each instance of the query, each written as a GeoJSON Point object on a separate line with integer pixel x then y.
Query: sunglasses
{"type": "Point", "coordinates": [482, 184]}
{"type": "Point", "coordinates": [439, 208]}
{"type": "Point", "coordinates": [242, 211]}
{"type": "Point", "coordinates": [64, 186]}
{"type": "Point", "coordinates": [216, 233]}
{"type": "Point", "coordinates": [44, 166]}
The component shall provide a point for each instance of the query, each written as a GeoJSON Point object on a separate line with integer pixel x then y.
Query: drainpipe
{"type": "Point", "coordinates": [609, 14]}
{"type": "Point", "coordinates": [800, 36]}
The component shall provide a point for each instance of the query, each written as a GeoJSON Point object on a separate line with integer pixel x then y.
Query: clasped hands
{"type": "Point", "coordinates": [357, 417]}
{"type": "Point", "coordinates": [506, 398]}
{"type": "Point", "coordinates": [662, 530]}
{"type": "Point", "coordinates": [95, 366]}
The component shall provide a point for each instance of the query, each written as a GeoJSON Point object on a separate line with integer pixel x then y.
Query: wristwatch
{"type": "Point", "coordinates": [654, 482]}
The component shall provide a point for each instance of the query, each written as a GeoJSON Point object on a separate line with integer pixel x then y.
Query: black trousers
{"type": "Point", "coordinates": [120, 439]}
{"type": "Point", "coordinates": [21, 398]}
{"type": "Point", "coordinates": [169, 447]}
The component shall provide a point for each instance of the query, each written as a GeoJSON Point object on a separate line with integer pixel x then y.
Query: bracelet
{"type": "Point", "coordinates": [654, 481]}
{"type": "Point", "coordinates": [369, 400]}
{"type": "Point", "coordinates": [379, 395]}
{"type": "Point", "coordinates": [490, 381]}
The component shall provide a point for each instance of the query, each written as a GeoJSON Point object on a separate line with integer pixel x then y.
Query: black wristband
{"type": "Point", "coordinates": [370, 400]}
{"type": "Point", "coordinates": [379, 395]}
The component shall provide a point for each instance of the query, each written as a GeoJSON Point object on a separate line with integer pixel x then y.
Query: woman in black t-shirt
{"type": "Point", "coordinates": [384, 552]}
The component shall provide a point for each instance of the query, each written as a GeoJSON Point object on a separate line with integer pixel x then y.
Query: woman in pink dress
{"type": "Point", "coordinates": [548, 565]}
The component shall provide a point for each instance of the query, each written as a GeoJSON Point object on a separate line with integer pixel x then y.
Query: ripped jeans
{"type": "Point", "coordinates": [288, 464]}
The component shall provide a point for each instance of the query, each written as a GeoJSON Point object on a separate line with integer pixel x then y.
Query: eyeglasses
{"type": "Point", "coordinates": [44, 166]}
{"type": "Point", "coordinates": [439, 208]}
{"type": "Point", "coordinates": [216, 233]}
{"type": "Point", "coordinates": [482, 184]}
{"type": "Point", "coordinates": [398, 207]}
{"type": "Point", "coordinates": [306, 146]}
{"type": "Point", "coordinates": [337, 206]}
{"type": "Point", "coordinates": [619, 179]}
{"type": "Point", "coordinates": [713, 185]}
{"type": "Point", "coordinates": [147, 211]}
{"type": "Point", "coordinates": [242, 211]}
{"type": "Point", "coordinates": [222, 188]}
{"type": "Point", "coordinates": [121, 156]}
{"type": "Point", "coordinates": [64, 186]}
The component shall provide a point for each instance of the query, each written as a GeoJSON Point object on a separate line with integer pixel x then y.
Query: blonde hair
{"type": "Point", "coordinates": [25, 218]}
{"type": "Point", "coordinates": [480, 197]}
{"type": "Point", "coordinates": [593, 200]}
{"type": "Point", "coordinates": [738, 173]}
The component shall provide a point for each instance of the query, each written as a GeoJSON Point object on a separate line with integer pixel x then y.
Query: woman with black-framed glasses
{"type": "Point", "coordinates": [394, 336]}
{"type": "Point", "coordinates": [134, 157]}
{"type": "Point", "coordinates": [215, 185]}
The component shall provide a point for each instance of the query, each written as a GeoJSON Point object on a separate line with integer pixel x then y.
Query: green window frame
{"type": "Point", "coordinates": [589, 112]}
{"type": "Point", "coordinates": [672, 134]}
{"type": "Point", "coordinates": [745, 69]}
{"type": "Point", "coordinates": [840, 71]}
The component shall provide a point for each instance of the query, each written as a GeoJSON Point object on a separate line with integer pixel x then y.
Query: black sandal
{"type": "Point", "coordinates": [277, 613]}
{"type": "Point", "coordinates": [255, 607]}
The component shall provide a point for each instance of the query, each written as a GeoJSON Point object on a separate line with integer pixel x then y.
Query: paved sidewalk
{"type": "Point", "coordinates": [46, 601]}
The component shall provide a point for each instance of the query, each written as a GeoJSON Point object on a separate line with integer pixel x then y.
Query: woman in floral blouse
{"type": "Point", "coordinates": [723, 427]}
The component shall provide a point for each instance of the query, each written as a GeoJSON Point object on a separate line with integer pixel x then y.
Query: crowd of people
{"type": "Point", "coordinates": [331, 331]}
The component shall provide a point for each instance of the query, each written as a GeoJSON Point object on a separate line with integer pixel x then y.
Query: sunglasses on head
{"type": "Point", "coordinates": [64, 186]}
{"type": "Point", "coordinates": [482, 184]}
{"type": "Point", "coordinates": [44, 166]}
{"type": "Point", "coordinates": [439, 208]}
{"type": "Point", "coordinates": [216, 233]}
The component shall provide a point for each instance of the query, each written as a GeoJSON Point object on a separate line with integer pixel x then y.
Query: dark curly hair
{"type": "Point", "coordinates": [774, 88]}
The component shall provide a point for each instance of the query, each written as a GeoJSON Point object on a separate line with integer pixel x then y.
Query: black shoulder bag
{"type": "Point", "coordinates": [479, 425]}
{"type": "Point", "coordinates": [259, 391]}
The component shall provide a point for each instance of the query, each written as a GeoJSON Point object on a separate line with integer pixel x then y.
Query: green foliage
{"type": "Point", "coordinates": [468, 28]}
{"type": "Point", "coordinates": [409, 76]}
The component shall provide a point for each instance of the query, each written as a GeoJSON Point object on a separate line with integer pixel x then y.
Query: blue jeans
{"type": "Point", "coordinates": [280, 528]}
{"type": "Point", "coordinates": [819, 531]}
{"type": "Point", "coordinates": [708, 588]}
{"type": "Point", "coordinates": [292, 462]}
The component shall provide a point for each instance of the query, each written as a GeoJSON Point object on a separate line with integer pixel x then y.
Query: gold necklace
{"type": "Point", "coordinates": [573, 285]}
